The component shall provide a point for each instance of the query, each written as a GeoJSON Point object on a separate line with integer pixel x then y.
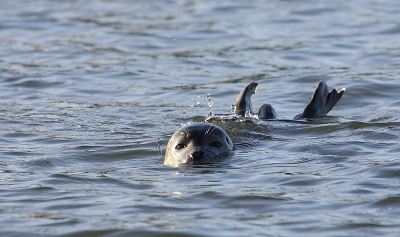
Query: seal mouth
{"type": "Point", "coordinates": [197, 157]}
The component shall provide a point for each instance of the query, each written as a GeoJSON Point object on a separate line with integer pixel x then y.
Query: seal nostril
{"type": "Point", "coordinates": [197, 154]}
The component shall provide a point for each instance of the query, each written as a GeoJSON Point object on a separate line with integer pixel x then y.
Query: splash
{"type": "Point", "coordinates": [209, 100]}
{"type": "Point", "coordinates": [233, 109]}
{"type": "Point", "coordinates": [210, 104]}
{"type": "Point", "coordinates": [249, 115]}
{"type": "Point", "coordinates": [197, 101]}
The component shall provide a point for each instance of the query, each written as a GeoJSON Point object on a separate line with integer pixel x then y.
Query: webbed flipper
{"type": "Point", "coordinates": [321, 102]}
{"type": "Point", "coordinates": [243, 101]}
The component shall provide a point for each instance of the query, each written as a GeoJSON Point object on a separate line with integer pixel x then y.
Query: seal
{"type": "Point", "coordinates": [203, 142]}
{"type": "Point", "coordinates": [197, 143]}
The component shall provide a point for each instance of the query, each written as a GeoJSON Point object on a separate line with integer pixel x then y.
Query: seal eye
{"type": "Point", "coordinates": [216, 144]}
{"type": "Point", "coordinates": [180, 146]}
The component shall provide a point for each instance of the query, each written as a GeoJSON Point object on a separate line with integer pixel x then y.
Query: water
{"type": "Point", "coordinates": [92, 90]}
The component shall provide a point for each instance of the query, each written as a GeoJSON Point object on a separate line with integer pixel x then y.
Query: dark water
{"type": "Point", "coordinates": [92, 90]}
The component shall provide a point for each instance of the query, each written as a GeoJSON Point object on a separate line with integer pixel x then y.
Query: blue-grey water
{"type": "Point", "coordinates": [91, 91]}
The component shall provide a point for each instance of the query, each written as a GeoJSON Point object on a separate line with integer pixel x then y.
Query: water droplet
{"type": "Point", "coordinates": [209, 100]}
{"type": "Point", "coordinates": [233, 109]}
{"type": "Point", "coordinates": [248, 114]}
{"type": "Point", "coordinates": [210, 104]}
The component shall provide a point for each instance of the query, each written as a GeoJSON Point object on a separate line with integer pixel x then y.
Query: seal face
{"type": "Point", "coordinates": [196, 144]}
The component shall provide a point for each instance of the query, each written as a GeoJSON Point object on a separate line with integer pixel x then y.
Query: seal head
{"type": "Point", "coordinates": [197, 143]}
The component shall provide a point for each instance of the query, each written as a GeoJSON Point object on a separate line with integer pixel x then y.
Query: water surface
{"type": "Point", "coordinates": [92, 90]}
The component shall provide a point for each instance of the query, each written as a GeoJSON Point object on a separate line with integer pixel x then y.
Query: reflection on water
{"type": "Point", "coordinates": [91, 92]}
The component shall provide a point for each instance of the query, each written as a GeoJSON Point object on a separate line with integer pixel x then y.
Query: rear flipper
{"type": "Point", "coordinates": [321, 102]}
{"type": "Point", "coordinates": [266, 112]}
{"type": "Point", "coordinates": [243, 101]}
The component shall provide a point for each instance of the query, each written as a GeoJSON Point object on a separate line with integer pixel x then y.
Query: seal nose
{"type": "Point", "coordinates": [197, 155]}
